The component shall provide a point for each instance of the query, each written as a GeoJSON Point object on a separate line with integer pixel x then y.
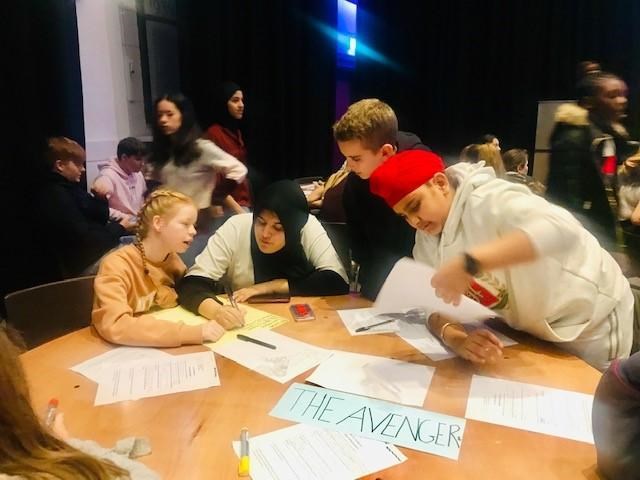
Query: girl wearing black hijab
{"type": "Point", "coordinates": [226, 133]}
{"type": "Point", "coordinates": [279, 248]}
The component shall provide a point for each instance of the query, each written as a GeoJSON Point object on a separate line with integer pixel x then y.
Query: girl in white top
{"type": "Point", "coordinates": [183, 161]}
{"type": "Point", "coordinates": [279, 248]}
{"type": "Point", "coordinates": [527, 259]}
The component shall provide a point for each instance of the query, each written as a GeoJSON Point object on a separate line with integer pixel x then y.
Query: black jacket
{"type": "Point", "coordinates": [75, 224]}
{"type": "Point", "coordinates": [616, 420]}
{"type": "Point", "coordinates": [378, 237]}
{"type": "Point", "coordinates": [574, 180]}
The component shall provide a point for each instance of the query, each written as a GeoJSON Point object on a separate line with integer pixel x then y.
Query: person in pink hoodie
{"type": "Point", "coordinates": [121, 182]}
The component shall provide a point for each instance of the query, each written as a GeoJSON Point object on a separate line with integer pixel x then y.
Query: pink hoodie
{"type": "Point", "coordinates": [126, 192]}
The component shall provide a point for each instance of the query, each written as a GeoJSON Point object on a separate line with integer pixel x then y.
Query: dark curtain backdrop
{"type": "Point", "coordinates": [455, 69]}
{"type": "Point", "coordinates": [284, 61]}
{"type": "Point", "coordinates": [43, 97]}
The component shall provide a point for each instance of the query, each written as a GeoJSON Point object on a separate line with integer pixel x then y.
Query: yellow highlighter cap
{"type": "Point", "coordinates": [244, 466]}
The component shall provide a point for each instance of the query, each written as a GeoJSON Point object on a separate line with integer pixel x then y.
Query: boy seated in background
{"type": "Point", "coordinates": [121, 182]}
{"type": "Point", "coordinates": [367, 134]}
{"type": "Point", "coordinates": [516, 164]}
{"type": "Point", "coordinates": [75, 224]}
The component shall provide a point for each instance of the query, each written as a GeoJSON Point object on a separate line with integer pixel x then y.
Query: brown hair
{"type": "Point", "coordinates": [65, 149]}
{"type": "Point", "coordinates": [371, 121]}
{"type": "Point", "coordinates": [514, 159]}
{"type": "Point", "coordinates": [27, 448]}
{"type": "Point", "coordinates": [159, 202]}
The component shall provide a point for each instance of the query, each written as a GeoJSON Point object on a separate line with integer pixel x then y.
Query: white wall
{"type": "Point", "coordinates": [544, 128]}
{"type": "Point", "coordinates": [111, 77]}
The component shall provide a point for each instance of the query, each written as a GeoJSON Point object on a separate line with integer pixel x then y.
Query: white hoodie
{"type": "Point", "coordinates": [567, 295]}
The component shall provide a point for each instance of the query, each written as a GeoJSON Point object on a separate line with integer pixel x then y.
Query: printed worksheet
{"type": "Point", "coordinates": [551, 411]}
{"type": "Point", "coordinates": [93, 368]}
{"type": "Point", "coordinates": [312, 453]}
{"type": "Point", "coordinates": [150, 378]}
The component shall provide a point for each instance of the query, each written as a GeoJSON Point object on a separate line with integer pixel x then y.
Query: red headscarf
{"type": "Point", "coordinates": [402, 173]}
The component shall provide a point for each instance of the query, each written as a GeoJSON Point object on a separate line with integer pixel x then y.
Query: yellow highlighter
{"type": "Point", "coordinates": [244, 466]}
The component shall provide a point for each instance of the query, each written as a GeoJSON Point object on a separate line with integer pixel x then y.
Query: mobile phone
{"type": "Point", "coordinates": [270, 298]}
{"type": "Point", "coordinates": [302, 312]}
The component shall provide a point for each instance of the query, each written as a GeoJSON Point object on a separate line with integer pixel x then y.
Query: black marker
{"type": "Point", "coordinates": [256, 341]}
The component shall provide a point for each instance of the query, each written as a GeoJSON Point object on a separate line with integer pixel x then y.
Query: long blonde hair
{"type": "Point", "coordinates": [491, 156]}
{"type": "Point", "coordinates": [159, 202]}
{"type": "Point", "coordinates": [27, 448]}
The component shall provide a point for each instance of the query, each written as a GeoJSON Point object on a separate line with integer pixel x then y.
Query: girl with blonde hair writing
{"type": "Point", "coordinates": [136, 278]}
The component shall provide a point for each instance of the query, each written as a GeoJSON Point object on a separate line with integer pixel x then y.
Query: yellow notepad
{"type": "Point", "coordinates": [253, 318]}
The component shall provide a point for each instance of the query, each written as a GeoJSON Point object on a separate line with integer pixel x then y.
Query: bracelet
{"type": "Point", "coordinates": [442, 330]}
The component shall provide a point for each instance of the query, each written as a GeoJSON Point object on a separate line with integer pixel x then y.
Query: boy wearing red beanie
{"type": "Point", "coordinates": [529, 260]}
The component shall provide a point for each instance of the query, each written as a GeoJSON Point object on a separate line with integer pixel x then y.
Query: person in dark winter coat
{"type": "Point", "coordinates": [587, 143]}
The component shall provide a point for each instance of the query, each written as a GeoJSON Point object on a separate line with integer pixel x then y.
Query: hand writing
{"type": "Point", "coordinates": [229, 317]}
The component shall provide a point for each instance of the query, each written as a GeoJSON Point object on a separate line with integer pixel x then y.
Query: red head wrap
{"type": "Point", "coordinates": [402, 173]}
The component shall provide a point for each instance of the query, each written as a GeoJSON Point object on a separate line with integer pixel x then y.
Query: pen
{"type": "Point", "coordinates": [244, 465]}
{"type": "Point", "coordinates": [256, 341]}
{"type": "Point", "coordinates": [229, 292]}
{"type": "Point", "coordinates": [364, 329]}
{"type": "Point", "coordinates": [52, 410]}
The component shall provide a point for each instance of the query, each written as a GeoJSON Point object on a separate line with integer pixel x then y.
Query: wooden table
{"type": "Point", "coordinates": [191, 432]}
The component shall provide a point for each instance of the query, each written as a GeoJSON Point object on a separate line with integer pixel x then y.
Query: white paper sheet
{"type": "Point", "coordinates": [151, 378]}
{"type": "Point", "coordinates": [312, 453]}
{"type": "Point", "coordinates": [289, 359]}
{"type": "Point", "coordinates": [421, 338]}
{"type": "Point", "coordinates": [93, 368]}
{"type": "Point", "coordinates": [414, 332]}
{"type": "Point", "coordinates": [409, 286]}
{"type": "Point", "coordinates": [560, 413]}
{"type": "Point", "coordinates": [377, 377]}
{"type": "Point", "coordinates": [361, 317]}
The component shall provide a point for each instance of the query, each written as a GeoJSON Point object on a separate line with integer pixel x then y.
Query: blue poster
{"type": "Point", "coordinates": [389, 422]}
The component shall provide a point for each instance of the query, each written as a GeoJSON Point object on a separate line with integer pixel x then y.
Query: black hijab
{"type": "Point", "coordinates": [285, 199]}
{"type": "Point", "coordinates": [223, 95]}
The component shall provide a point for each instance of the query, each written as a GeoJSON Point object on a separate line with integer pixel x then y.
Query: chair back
{"type": "Point", "coordinates": [48, 311]}
{"type": "Point", "coordinates": [337, 232]}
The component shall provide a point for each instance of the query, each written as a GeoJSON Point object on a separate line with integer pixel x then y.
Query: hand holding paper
{"type": "Point", "coordinates": [409, 286]}
{"type": "Point", "coordinates": [451, 281]}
